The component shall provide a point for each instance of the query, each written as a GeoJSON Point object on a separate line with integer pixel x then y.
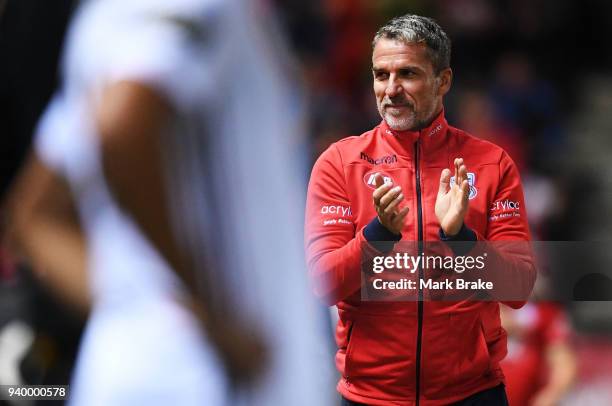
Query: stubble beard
{"type": "Point", "coordinates": [408, 120]}
{"type": "Point", "coordinates": [403, 122]}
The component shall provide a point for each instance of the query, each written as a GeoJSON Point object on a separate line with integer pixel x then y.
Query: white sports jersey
{"type": "Point", "coordinates": [236, 191]}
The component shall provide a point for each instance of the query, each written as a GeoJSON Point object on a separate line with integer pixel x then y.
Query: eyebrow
{"type": "Point", "coordinates": [376, 69]}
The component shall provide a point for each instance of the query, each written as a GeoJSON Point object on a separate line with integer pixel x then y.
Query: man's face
{"type": "Point", "coordinates": [408, 92]}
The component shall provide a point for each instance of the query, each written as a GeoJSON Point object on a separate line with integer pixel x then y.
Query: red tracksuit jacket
{"type": "Point", "coordinates": [407, 353]}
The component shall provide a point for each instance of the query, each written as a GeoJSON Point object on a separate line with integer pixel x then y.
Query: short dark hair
{"type": "Point", "coordinates": [412, 28]}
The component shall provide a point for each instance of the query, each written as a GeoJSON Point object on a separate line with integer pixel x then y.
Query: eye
{"type": "Point", "coordinates": [407, 73]}
{"type": "Point", "coordinates": [381, 75]}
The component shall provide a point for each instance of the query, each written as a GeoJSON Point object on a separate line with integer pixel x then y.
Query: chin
{"type": "Point", "coordinates": [399, 124]}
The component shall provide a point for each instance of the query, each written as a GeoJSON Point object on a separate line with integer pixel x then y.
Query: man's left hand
{"type": "Point", "coordinates": [452, 200]}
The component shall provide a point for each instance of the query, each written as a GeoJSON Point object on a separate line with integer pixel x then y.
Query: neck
{"type": "Point", "coordinates": [432, 117]}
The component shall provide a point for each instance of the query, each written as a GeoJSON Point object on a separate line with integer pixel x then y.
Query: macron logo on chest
{"type": "Point", "coordinates": [387, 159]}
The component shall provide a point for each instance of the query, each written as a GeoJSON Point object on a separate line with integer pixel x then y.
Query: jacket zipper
{"type": "Point", "coordinates": [420, 292]}
{"type": "Point", "coordinates": [348, 343]}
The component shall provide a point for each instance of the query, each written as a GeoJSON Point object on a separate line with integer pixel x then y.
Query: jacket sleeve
{"type": "Point", "coordinates": [332, 243]}
{"type": "Point", "coordinates": [510, 257]}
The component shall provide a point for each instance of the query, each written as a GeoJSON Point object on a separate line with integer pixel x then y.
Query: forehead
{"type": "Point", "coordinates": [393, 54]}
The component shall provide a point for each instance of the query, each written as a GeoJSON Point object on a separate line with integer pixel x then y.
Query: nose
{"type": "Point", "coordinates": [393, 87]}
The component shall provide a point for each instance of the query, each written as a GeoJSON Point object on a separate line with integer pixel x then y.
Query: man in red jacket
{"type": "Point", "coordinates": [394, 183]}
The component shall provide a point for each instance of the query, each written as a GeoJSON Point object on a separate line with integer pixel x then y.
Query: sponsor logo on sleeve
{"type": "Point", "coordinates": [344, 211]}
{"type": "Point", "coordinates": [502, 209]}
{"type": "Point", "coordinates": [330, 222]}
{"type": "Point", "coordinates": [335, 214]}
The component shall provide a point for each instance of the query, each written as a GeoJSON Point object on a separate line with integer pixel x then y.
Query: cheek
{"type": "Point", "coordinates": [413, 91]}
{"type": "Point", "coordinates": [379, 91]}
{"type": "Point", "coordinates": [421, 93]}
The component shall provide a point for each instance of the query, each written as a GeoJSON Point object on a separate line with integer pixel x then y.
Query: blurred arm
{"type": "Point", "coordinates": [561, 364]}
{"type": "Point", "coordinates": [131, 119]}
{"type": "Point", "coordinates": [560, 360]}
{"type": "Point", "coordinates": [43, 227]}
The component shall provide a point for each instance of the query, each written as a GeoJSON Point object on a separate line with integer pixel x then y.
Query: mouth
{"type": "Point", "coordinates": [397, 109]}
{"type": "Point", "coordinates": [397, 105]}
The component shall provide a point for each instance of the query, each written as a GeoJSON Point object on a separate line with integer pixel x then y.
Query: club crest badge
{"type": "Point", "coordinates": [369, 178]}
{"type": "Point", "coordinates": [471, 178]}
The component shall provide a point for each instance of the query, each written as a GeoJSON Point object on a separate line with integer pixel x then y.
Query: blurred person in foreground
{"type": "Point", "coordinates": [415, 178]}
{"type": "Point", "coordinates": [158, 168]}
{"type": "Point", "coordinates": [540, 366]}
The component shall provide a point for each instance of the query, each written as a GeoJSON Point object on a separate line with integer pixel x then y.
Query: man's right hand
{"type": "Point", "coordinates": [386, 202]}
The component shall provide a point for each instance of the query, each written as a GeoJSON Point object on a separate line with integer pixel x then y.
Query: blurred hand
{"type": "Point", "coordinates": [386, 202]}
{"type": "Point", "coordinates": [241, 349]}
{"type": "Point", "coordinates": [510, 322]}
{"type": "Point", "coordinates": [452, 200]}
{"type": "Point", "coordinates": [545, 398]}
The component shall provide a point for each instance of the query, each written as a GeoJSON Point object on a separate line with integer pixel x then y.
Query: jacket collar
{"type": "Point", "coordinates": [433, 134]}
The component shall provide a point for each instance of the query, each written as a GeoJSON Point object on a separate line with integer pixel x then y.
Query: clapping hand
{"type": "Point", "coordinates": [452, 200]}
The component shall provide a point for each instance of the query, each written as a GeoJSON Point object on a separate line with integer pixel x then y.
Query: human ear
{"type": "Point", "coordinates": [445, 79]}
